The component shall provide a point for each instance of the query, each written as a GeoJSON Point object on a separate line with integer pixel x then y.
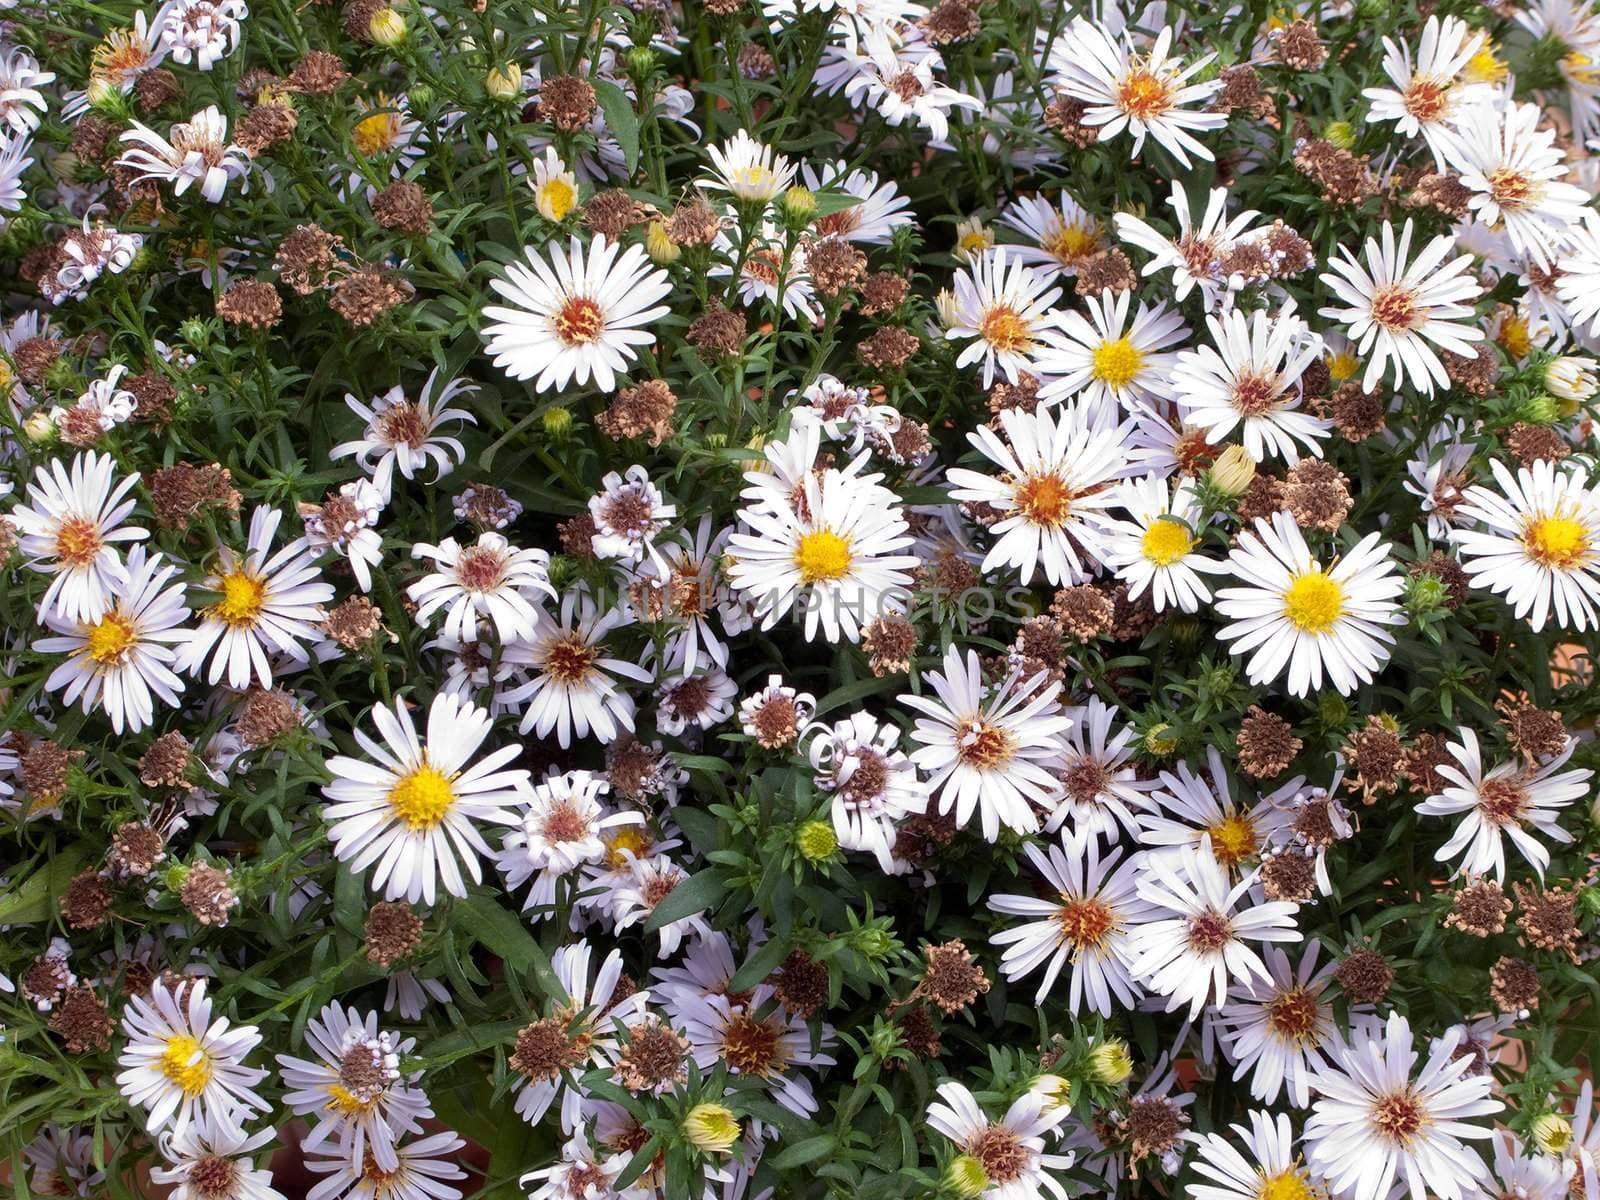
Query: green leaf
{"type": "Point", "coordinates": [801, 1153]}
{"type": "Point", "coordinates": [505, 934]}
{"type": "Point", "coordinates": [694, 895]}
{"type": "Point", "coordinates": [760, 964]}
{"type": "Point", "coordinates": [34, 899]}
{"type": "Point", "coordinates": [621, 120]}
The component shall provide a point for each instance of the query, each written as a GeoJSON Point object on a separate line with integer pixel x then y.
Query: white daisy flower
{"type": "Point", "coordinates": [760, 1039]}
{"type": "Point", "coordinates": [1144, 94]}
{"type": "Point", "coordinates": [1195, 256]}
{"type": "Point", "coordinates": [580, 1033]}
{"type": "Point", "coordinates": [1278, 1030]}
{"type": "Point", "coordinates": [555, 187]}
{"type": "Point", "coordinates": [577, 317]}
{"type": "Point", "coordinates": [1374, 1127]}
{"type": "Point", "coordinates": [990, 754]}
{"type": "Point", "coordinates": [1395, 306]}
{"type": "Point", "coordinates": [1188, 810]}
{"type": "Point", "coordinates": [1430, 97]}
{"type": "Point", "coordinates": [1010, 1151]}
{"type": "Point", "coordinates": [1155, 551]}
{"type": "Point", "coordinates": [748, 170]}
{"type": "Point", "coordinates": [426, 1169]}
{"type": "Point", "coordinates": [684, 593]}
{"type": "Point", "coordinates": [572, 685]}
{"type": "Point", "coordinates": [354, 1091]}
{"type": "Point", "coordinates": [1438, 476]}
{"type": "Point", "coordinates": [1514, 171]}
{"type": "Point", "coordinates": [1539, 542]}
{"type": "Point", "coordinates": [1101, 788]}
{"type": "Point", "coordinates": [628, 512]}
{"type": "Point", "coordinates": [413, 809]}
{"type": "Point", "coordinates": [490, 579]}
{"type": "Point", "coordinates": [1085, 925]}
{"type": "Point", "coordinates": [858, 761]}
{"type": "Point", "coordinates": [643, 882]}
{"type": "Point", "coordinates": [1510, 800]}
{"type": "Point", "coordinates": [213, 1160]}
{"type": "Point", "coordinates": [1006, 307]}
{"type": "Point", "coordinates": [1114, 365]}
{"type": "Point", "coordinates": [562, 830]}
{"type": "Point", "coordinates": [872, 222]}
{"type": "Point", "coordinates": [1051, 498]}
{"type": "Point", "coordinates": [1267, 1169]}
{"type": "Point", "coordinates": [68, 529]}
{"type": "Point", "coordinates": [899, 84]}
{"type": "Point", "coordinates": [581, 1171]}
{"type": "Point", "coordinates": [21, 101]}
{"type": "Point", "coordinates": [179, 1064]}
{"type": "Point", "coordinates": [266, 604]}
{"type": "Point", "coordinates": [195, 153]}
{"type": "Point", "coordinates": [201, 31]}
{"type": "Point", "coordinates": [1250, 380]}
{"type": "Point", "coordinates": [771, 272]}
{"type": "Point", "coordinates": [1577, 282]}
{"type": "Point", "coordinates": [386, 135]}
{"type": "Point", "coordinates": [696, 701]}
{"type": "Point", "coordinates": [1061, 236]}
{"type": "Point", "coordinates": [1525, 1176]}
{"type": "Point", "coordinates": [123, 661]}
{"type": "Point", "coordinates": [118, 61]}
{"type": "Point", "coordinates": [830, 549]}
{"type": "Point", "coordinates": [1197, 941]}
{"type": "Point", "coordinates": [14, 160]}
{"type": "Point", "coordinates": [403, 435]}
{"type": "Point", "coordinates": [63, 1160]}
{"type": "Point", "coordinates": [91, 251]}
{"type": "Point", "coordinates": [1293, 614]}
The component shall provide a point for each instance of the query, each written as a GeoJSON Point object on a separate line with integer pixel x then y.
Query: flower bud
{"type": "Point", "coordinates": [1571, 378]}
{"type": "Point", "coordinates": [663, 251]}
{"type": "Point", "coordinates": [1232, 473]}
{"type": "Point", "coordinates": [387, 27]}
{"type": "Point", "coordinates": [1341, 134]}
{"type": "Point", "coordinates": [504, 83]}
{"type": "Point", "coordinates": [711, 1128]}
{"type": "Point", "coordinates": [557, 422]}
{"type": "Point", "coordinates": [965, 1177]}
{"type": "Point", "coordinates": [1110, 1063]}
{"type": "Point", "coordinates": [1552, 1133]}
{"type": "Point", "coordinates": [1543, 409]}
{"type": "Point", "coordinates": [816, 841]}
{"type": "Point", "coordinates": [799, 206]}
{"type": "Point", "coordinates": [1157, 742]}
{"type": "Point", "coordinates": [972, 238]}
{"type": "Point", "coordinates": [641, 62]}
{"type": "Point", "coordinates": [39, 428]}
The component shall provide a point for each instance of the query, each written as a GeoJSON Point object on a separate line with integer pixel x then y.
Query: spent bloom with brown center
{"type": "Point", "coordinates": [208, 894]}
{"type": "Point", "coordinates": [1479, 908]}
{"type": "Point", "coordinates": [1267, 744]}
{"type": "Point", "coordinates": [1549, 919]}
{"type": "Point", "coordinates": [654, 1059]}
{"type": "Point", "coordinates": [640, 411]}
{"type": "Point", "coordinates": [1514, 985]}
{"type": "Point", "coordinates": [567, 102]}
{"type": "Point", "coordinates": [87, 902]}
{"type": "Point", "coordinates": [950, 979]}
{"type": "Point", "coordinates": [136, 849]}
{"type": "Point", "coordinates": [164, 763]}
{"type": "Point", "coordinates": [403, 207]}
{"type": "Point", "coordinates": [253, 303]}
{"type": "Point", "coordinates": [392, 931]}
{"type": "Point", "coordinates": [82, 1021]}
{"type": "Point", "coordinates": [1365, 976]}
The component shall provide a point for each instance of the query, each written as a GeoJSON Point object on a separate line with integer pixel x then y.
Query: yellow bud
{"type": "Point", "coordinates": [387, 27]}
{"type": "Point", "coordinates": [1110, 1063]}
{"type": "Point", "coordinates": [799, 205]}
{"type": "Point", "coordinates": [1157, 743]}
{"type": "Point", "coordinates": [816, 841]}
{"type": "Point", "coordinates": [965, 1177]}
{"type": "Point", "coordinates": [1552, 1134]}
{"type": "Point", "coordinates": [504, 83]}
{"type": "Point", "coordinates": [663, 251]}
{"type": "Point", "coordinates": [1341, 134]}
{"type": "Point", "coordinates": [1232, 472]}
{"type": "Point", "coordinates": [39, 428]}
{"type": "Point", "coordinates": [711, 1128]}
{"type": "Point", "coordinates": [557, 422]}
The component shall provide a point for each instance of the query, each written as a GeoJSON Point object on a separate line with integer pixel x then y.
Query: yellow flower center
{"type": "Point", "coordinates": [1166, 541]}
{"type": "Point", "coordinates": [109, 640]}
{"type": "Point", "coordinates": [1556, 541]}
{"type": "Point", "coordinates": [1313, 602]}
{"type": "Point", "coordinates": [1342, 366]}
{"type": "Point", "coordinates": [1118, 363]}
{"type": "Point", "coordinates": [422, 798]}
{"type": "Point", "coordinates": [1003, 329]}
{"type": "Point", "coordinates": [243, 598]}
{"type": "Point", "coordinates": [1233, 839]}
{"type": "Point", "coordinates": [1143, 94]}
{"type": "Point", "coordinates": [341, 1100]}
{"type": "Point", "coordinates": [1484, 67]}
{"type": "Point", "coordinates": [1071, 244]}
{"type": "Point", "coordinates": [822, 554]}
{"type": "Point", "coordinates": [1515, 336]}
{"type": "Point", "coordinates": [630, 839]}
{"type": "Point", "coordinates": [1287, 1185]}
{"type": "Point", "coordinates": [376, 133]}
{"type": "Point", "coordinates": [1043, 499]}
{"type": "Point", "coordinates": [186, 1064]}
{"type": "Point", "coordinates": [556, 199]}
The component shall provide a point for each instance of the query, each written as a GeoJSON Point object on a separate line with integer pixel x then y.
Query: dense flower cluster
{"type": "Point", "coordinates": [726, 599]}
